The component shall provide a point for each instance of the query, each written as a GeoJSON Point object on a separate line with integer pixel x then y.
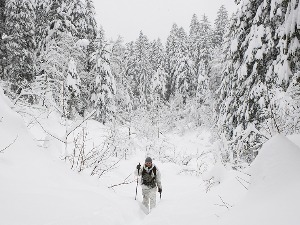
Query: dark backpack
{"type": "Point", "coordinates": [147, 178]}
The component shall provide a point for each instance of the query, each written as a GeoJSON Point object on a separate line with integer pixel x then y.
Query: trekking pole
{"type": "Point", "coordinates": [137, 182]}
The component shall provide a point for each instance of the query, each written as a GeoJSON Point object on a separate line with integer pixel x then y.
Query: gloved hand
{"type": "Point", "coordinates": [138, 166]}
{"type": "Point", "coordinates": [160, 190]}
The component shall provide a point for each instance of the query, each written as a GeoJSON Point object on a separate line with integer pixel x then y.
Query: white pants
{"type": "Point", "coordinates": [149, 195]}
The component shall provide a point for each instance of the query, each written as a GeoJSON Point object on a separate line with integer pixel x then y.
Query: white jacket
{"type": "Point", "coordinates": [157, 179]}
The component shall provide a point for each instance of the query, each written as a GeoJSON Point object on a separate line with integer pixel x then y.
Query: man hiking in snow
{"type": "Point", "coordinates": [151, 180]}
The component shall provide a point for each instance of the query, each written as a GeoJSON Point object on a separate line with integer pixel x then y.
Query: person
{"type": "Point", "coordinates": [151, 181]}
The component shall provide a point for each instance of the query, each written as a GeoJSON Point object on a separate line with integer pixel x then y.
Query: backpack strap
{"type": "Point", "coordinates": [153, 170]}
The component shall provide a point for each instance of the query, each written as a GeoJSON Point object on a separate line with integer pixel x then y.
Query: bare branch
{"type": "Point", "coordinates": [80, 123]}
{"type": "Point", "coordinates": [49, 132]}
{"type": "Point", "coordinates": [124, 182]}
{"type": "Point", "coordinates": [224, 204]}
{"type": "Point", "coordinates": [243, 172]}
{"type": "Point", "coordinates": [238, 179]}
{"type": "Point", "coordinates": [2, 150]}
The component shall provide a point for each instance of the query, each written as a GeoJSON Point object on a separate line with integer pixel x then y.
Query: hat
{"type": "Point", "coordinates": [148, 159]}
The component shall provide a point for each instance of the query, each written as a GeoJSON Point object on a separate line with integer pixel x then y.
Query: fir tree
{"type": "Point", "coordinates": [258, 71]}
{"type": "Point", "coordinates": [177, 63]}
{"type": "Point", "coordinates": [143, 71]}
{"type": "Point", "coordinates": [2, 45]}
{"type": "Point", "coordinates": [104, 90]}
{"type": "Point", "coordinates": [205, 56]}
{"type": "Point", "coordinates": [52, 68]}
{"type": "Point", "coordinates": [41, 23]}
{"type": "Point", "coordinates": [184, 80]}
{"type": "Point", "coordinates": [78, 18]}
{"type": "Point", "coordinates": [243, 109]}
{"type": "Point", "coordinates": [194, 39]}
{"type": "Point", "coordinates": [20, 45]}
{"type": "Point", "coordinates": [59, 21]}
{"type": "Point", "coordinates": [221, 24]}
{"type": "Point", "coordinates": [91, 33]}
{"type": "Point", "coordinates": [123, 90]}
{"type": "Point", "coordinates": [285, 68]}
{"type": "Point", "coordinates": [90, 16]}
{"type": "Point", "coordinates": [73, 89]}
{"type": "Point", "coordinates": [156, 54]}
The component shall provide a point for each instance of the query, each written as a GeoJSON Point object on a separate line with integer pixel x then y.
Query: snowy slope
{"type": "Point", "coordinates": [39, 189]}
{"type": "Point", "coordinates": [273, 196]}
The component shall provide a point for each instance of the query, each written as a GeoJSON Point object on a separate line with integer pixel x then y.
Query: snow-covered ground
{"type": "Point", "coordinates": [38, 188]}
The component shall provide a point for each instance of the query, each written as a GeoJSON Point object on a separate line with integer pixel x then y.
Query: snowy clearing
{"type": "Point", "coordinates": [39, 188]}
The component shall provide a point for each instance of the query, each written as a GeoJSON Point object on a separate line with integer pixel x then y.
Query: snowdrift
{"type": "Point", "coordinates": [37, 188]}
{"type": "Point", "coordinates": [273, 197]}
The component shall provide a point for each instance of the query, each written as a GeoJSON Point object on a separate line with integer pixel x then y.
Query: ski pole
{"type": "Point", "coordinates": [137, 182]}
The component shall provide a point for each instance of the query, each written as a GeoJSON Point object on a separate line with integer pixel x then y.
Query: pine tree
{"type": "Point", "coordinates": [104, 90]}
{"type": "Point", "coordinates": [78, 18]}
{"type": "Point", "coordinates": [258, 71]}
{"type": "Point", "coordinates": [73, 90]}
{"type": "Point", "coordinates": [157, 61]}
{"type": "Point", "coordinates": [205, 56]}
{"type": "Point", "coordinates": [158, 85]}
{"type": "Point", "coordinates": [285, 69]}
{"type": "Point", "coordinates": [52, 70]}
{"type": "Point", "coordinates": [20, 44]}
{"type": "Point", "coordinates": [2, 45]}
{"type": "Point", "coordinates": [90, 16]}
{"type": "Point", "coordinates": [123, 89]}
{"type": "Point", "coordinates": [244, 107]}
{"type": "Point", "coordinates": [143, 71]}
{"type": "Point", "coordinates": [2, 17]}
{"type": "Point", "coordinates": [59, 21]}
{"type": "Point", "coordinates": [194, 41]}
{"type": "Point", "coordinates": [219, 49]}
{"type": "Point", "coordinates": [177, 64]}
{"type": "Point", "coordinates": [221, 24]}
{"type": "Point", "coordinates": [156, 54]}
{"type": "Point", "coordinates": [184, 80]}
{"type": "Point", "coordinates": [41, 23]}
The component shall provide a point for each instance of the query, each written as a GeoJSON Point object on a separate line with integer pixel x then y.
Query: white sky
{"type": "Point", "coordinates": [154, 17]}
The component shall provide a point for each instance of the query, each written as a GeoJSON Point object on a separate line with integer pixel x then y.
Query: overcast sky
{"type": "Point", "coordinates": [154, 17]}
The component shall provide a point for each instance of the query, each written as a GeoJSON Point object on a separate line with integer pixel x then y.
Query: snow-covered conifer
{"type": "Point", "coordinates": [156, 54]}
{"type": "Point", "coordinates": [90, 16]}
{"type": "Point", "coordinates": [221, 23]}
{"type": "Point", "coordinates": [2, 45]}
{"type": "Point", "coordinates": [72, 84]}
{"type": "Point", "coordinates": [104, 87]}
{"type": "Point", "coordinates": [52, 69]}
{"type": "Point", "coordinates": [118, 67]}
{"type": "Point", "coordinates": [259, 68]}
{"type": "Point", "coordinates": [78, 18]}
{"type": "Point", "coordinates": [20, 44]}
{"type": "Point", "coordinates": [177, 64]}
{"type": "Point", "coordinates": [142, 71]}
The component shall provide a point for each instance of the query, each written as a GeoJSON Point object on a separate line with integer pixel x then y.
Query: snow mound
{"type": "Point", "coordinates": [273, 195]}
{"type": "Point", "coordinates": [37, 188]}
{"type": "Point", "coordinates": [217, 173]}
